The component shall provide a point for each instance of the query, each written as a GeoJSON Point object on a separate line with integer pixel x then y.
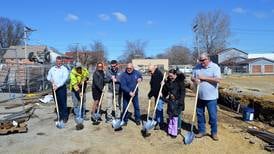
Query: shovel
{"type": "Point", "coordinates": [114, 103]}
{"type": "Point", "coordinates": [97, 115]}
{"type": "Point", "coordinates": [146, 125]}
{"type": "Point", "coordinates": [119, 123]}
{"type": "Point", "coordinates": [79, 120]}
{"type": "Point", "coordinates": [189, 137]}
{"type": "Point", "coordinates": [151, 123]}
{"type": "Point", "coordinates": [59, 123]}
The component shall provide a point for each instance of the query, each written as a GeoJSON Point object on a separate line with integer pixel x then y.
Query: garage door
{"type": "Point", "coordinates": [256, 69]}
{"type": "Point", "coordinates": [268, 68]}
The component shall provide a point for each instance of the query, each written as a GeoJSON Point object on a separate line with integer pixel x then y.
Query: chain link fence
{"type": "Point", "coordinates": [26, 78]}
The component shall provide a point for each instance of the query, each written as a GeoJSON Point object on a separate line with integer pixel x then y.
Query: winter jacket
{"type": "Point", "coordinates": [128, 81]}
{"type": "Point", "coordinates": [76, 79]}
{"type": "Point", "coordinates": [155, 83]}
{"type": "Point", "coordinates": [98, 81]}
{"type": "Point", "coordinates": [174, 95]}
{"type": "Point", "coordinates": [111, 72]}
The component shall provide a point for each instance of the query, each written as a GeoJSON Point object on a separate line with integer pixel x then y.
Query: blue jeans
{"type": "Point", "coordinates": [135, 102]}
{"type": "Point", "coordinates": [212, 112]}
{"type": "Point", "coordinates": [160, 112]}
{"type": "Point", "coordinates": [61, 96]}
{"type": "Point", "coordinates": [76, 99]}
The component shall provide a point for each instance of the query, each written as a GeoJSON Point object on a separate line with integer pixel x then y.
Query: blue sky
{"type": "Point", "coordinates": [162, 23]}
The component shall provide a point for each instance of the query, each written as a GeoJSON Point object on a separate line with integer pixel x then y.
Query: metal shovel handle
{"type": "Point", "coordinates": [131, 98]}
{"type": "Point", "coordinates": [158, 98]}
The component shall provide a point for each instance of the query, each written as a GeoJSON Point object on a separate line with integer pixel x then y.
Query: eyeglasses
{"type": "Point", "coordinates": [201, 60]}
{"type": "Point", "coordinates": [128, 68]}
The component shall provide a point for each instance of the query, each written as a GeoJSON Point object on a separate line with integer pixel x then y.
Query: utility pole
{"type": "Point", "coordinates": [26, 31]}
{"type": "Point", "coordinates": [195, 29]}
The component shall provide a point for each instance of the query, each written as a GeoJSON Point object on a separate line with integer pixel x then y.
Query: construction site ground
{"type": "Point", "coordinates": [44, 137]}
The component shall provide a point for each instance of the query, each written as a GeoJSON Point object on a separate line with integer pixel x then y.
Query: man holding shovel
{"type": "Point", "coordinates": [155, 84]}
{"type": "Point", "coordinates": [129, 80]}
{"type": "Point", "coordinates": [78, 76]}
{"type": "Point", "coordinates": [114, 92]}
{"type": "Point", "coordinates": [58, 76]}
{"type": "Point", "coordinates": [207, 74]}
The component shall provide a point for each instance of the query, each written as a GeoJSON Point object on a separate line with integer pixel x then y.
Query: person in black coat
{"type": "Point", "coordinates": [98, 84]}
{"type": "Point", "coordinates": [174, 95]}
{"type": "Point", "coordinates": [155, 84]}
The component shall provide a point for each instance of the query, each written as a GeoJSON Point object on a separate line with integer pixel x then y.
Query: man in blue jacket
{"type": "Point", "coordinates": [128, 81]}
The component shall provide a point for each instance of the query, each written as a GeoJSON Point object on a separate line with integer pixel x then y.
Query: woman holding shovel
{"type": "Point", "coordinates": [98, 84]}
{"type": "Point", "coordinates": [174, 95]}
{"type": "Point", "coordinates": [78, 76]}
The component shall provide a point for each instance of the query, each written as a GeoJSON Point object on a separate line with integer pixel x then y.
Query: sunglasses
{"type": "Point", "coordinates": [129, 68]}
{"type": "Point", "coordinates": [201, 60]}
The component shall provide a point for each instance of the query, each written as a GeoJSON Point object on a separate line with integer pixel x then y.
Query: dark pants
{"type": "Point", "coordinates": [61, 96]}
{"type": "Point", "coordinates": [212, 112]}
{"type": "Point", "coordinates": [160, 112]}
{"type": "Point", "coordinates": [135, 102]}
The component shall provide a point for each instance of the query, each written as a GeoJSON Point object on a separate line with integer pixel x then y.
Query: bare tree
{"type": "Point", "coordinates": [100, 53]}
{"type": "Point", "coordinates": [177, 55]}
{"type": "Point", "coordinates": [212, 30]}
{"type": "Point", "coordinates": [134, 49]}
{"type": "Point", "coordinates": [11, 33]}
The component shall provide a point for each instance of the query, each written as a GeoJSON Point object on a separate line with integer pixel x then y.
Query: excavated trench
{"type": "Point", "coordinates": [237, 99]}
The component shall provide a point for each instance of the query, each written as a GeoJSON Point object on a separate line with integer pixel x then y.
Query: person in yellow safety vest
{"type": "Point", "coordinates": [78, 75]}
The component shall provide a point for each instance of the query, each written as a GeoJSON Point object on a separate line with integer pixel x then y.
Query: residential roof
{"type": "Point", "coordinates": [225, 50]}
{"type": "Point", "coordinates": [233, 60]}
{"type": "Point", "coordinates": [265, 55]}
{"type": "Point", "coordinates": [251, 60]}
{"type": "Point", "coordinates": [11, 53]}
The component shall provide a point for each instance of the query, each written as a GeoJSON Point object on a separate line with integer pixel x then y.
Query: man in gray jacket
{"type": "Point", "coordinates": [112, 76]}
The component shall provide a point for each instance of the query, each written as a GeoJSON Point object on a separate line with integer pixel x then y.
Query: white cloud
{"type": "Point", "coordinates": [71, 17]}
{"type": "Point", "coordinates": [120, 16]}
{"type": "Point", "coordinates": [103, 17]}
{"type": "Point", "coordinates": [149, 22]}
{"type": "Point", "coordinates": [260, 15]}
{"type": "Point", "coordinates": [239, 10]}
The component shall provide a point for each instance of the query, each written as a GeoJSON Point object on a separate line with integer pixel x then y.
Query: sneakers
{"type": "Point", "coordinates": [138, 123]}
{"type": "Point", "coordinates": [86, 118]}
{"type": "Point", "coordinates": [200, 135]}
{"type": "Point", "coordinates": [157, 127]}
{"type": "Point", "coordinates": [92, 118]}
{"type": "Point", "coordinates": [108, 120]}
{"type": "Point", "coordinates": [215, 137]}
{"type": "Point", "coordinates": [65, 120]}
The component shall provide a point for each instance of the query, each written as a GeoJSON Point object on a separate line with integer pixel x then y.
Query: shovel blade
{"type": "Point", "coordinates": [116, 124]}
{"type": "Point", "coordinates": [79, 120]}
{"type": "Point", "coordinates": [150, 124]}
{"type": "Point", "coordinates": [60, 124]}
{"type": "Point", "coordinates": [189, 137]}
{"type": "Point", "coordinates": [97, 116]}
